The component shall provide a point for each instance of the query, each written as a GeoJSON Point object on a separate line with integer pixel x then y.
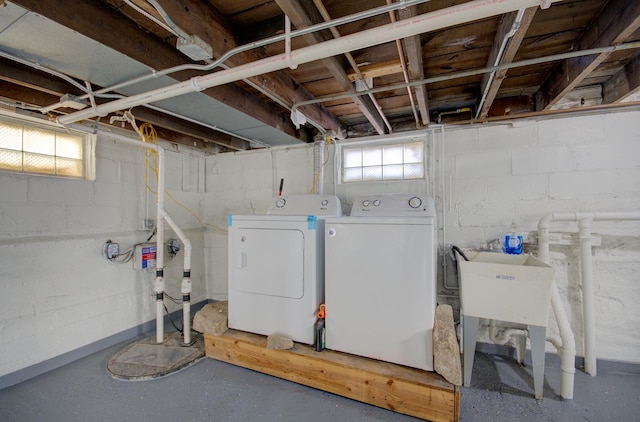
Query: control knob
{"type": "Point", "coordinates": [415, 202]}
{"type": "Point", "coordinates": [280, 202]}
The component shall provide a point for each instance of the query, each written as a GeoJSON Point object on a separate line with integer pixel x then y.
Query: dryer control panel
{"type": "Point", "coordinates": [318, 205]}
{"type": "Point", "coordinates": [394, 205]}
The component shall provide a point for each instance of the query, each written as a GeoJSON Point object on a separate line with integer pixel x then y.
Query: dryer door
{"type": "Point", "coordinates": [268, 261]}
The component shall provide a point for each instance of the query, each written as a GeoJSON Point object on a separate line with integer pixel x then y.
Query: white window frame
{"type": "Point", "coordinates": [377, 142]}
{"type": "Point", "coordinates": [88, 149]}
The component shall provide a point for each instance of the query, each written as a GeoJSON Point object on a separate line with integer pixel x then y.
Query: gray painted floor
{"type": "Point", "coordinates": [210, 390]}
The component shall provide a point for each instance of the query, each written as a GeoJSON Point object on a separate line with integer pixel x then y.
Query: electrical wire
{"type": "Point", "coordinates": [148, 134]}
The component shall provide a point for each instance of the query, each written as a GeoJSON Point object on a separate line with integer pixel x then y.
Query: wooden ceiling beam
{"type": "Point", "coordinates": [303, 13]}
{"type": "Point", "coordinates": [37, 88]}
{"type": "Point", "coordinates": [413, 49]}
{"type": "Point", "coordinates": [513, 44]}
{"type": "Point", "coordinates": [623, 84]}
{"type": "Point", "coordinates": [40, 98]}
{"type": "Point", "coordinates": [613, 25]}
{"type": "Point", "coordinates": [201, 19]}
{"type": "Point", "coordinates": [376, 70]}
{"type": "Point", "coordinates": [91, 18]}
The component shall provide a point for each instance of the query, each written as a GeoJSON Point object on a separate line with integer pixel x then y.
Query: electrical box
{"type": "Point", "coordinates": [144, 256]}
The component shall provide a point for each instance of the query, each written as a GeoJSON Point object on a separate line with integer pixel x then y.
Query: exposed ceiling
{"type": "Point", "coordinates": [51, 48]}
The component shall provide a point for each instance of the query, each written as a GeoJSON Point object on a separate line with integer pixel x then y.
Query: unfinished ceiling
{"type": "Point", "coordinates": [501, 58]}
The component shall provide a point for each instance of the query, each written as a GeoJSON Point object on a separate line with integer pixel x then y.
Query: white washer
{"type": "Point", "coordinates": [380, 279]}
{"type": "Point", "coordinates": [276, 266]}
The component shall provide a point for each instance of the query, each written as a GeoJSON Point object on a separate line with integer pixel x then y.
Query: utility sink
{"type": "Point", "coordinates": [515, 288]}
{"type": "Point", "coordinates": [512, 288]}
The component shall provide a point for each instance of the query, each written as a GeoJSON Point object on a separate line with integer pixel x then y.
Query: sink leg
{"type": "Point", "coordinates": [470, 331]}
{"type": "Point", "coordinates": [537, 335]}
{"type": "Point", "coordinates": [521, 348]}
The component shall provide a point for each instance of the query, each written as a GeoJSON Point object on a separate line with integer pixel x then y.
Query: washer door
{"type": "Point", "coordinates": [268, 262]}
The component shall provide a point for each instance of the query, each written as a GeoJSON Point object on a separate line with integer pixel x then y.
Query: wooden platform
{"type": "Point", "coordinates": [405, 390]}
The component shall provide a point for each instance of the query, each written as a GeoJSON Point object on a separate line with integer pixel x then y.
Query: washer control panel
{"type": "Point", "coordinates": [393, 205]}
{"type": "Point", "coordinates": [318, 205]}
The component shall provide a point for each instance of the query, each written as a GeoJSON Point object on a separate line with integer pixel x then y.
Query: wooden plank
{"type": "Point", "coordinates": [376, 70]}
{"type": "Point", "coordinates": [398, 388]}
{"type": "Point", "coordinates": [304, 14]}
{"type": "Point", "coordinates": [413, 49]}
{"type": "Point", "coordinates": [624, 83]}
{"type": "Point", "coordinates": [615, 24]}
{"type": "Point", "coordinates": [508, 54]}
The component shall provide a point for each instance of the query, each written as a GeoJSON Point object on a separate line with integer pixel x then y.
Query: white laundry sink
{"type": "Point", "coordinates": [515, 288]}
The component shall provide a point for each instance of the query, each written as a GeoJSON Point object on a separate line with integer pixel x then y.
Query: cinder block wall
{"type": "Point", "coordinates": [58, 293]}
{"type": "Point", "coordinates": [483, 178]}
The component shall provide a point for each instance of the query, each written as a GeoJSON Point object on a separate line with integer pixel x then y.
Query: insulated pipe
{"type": "Point", "coordinates": [186, 279]}
{"type": "Point", "coordinates": [474, 10]}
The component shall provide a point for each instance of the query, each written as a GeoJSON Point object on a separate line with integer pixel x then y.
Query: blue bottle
{"type": "Point", "coordinates": [513, 242]}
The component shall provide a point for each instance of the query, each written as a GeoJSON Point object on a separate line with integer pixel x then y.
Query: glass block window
{"type": "Point", "coordinates": [30, 148]}
{"type": "Point", "coordinates": [396, 161]}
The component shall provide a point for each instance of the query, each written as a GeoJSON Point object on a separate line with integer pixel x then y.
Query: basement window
{"type": "Point", "coordinates": [35, 148]}
{"type": "Point", "coordinates": [383, 162]}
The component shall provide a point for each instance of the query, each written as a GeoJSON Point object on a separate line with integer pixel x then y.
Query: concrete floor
{"type": "Point", "coordinates": [210, 390]}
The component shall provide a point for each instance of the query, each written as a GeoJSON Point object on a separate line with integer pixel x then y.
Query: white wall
{"type": "Point", "coordinates": [486, 177]}
{"type": "Point", "coordinates": [58, 293]}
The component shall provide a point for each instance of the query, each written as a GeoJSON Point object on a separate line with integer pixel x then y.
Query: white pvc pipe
{"type": "Point", "coordinates": [159, 283]}
{"type": "Point", "coordinates": [428, 22]}
{"type": "Point", "coordinates": [566, 345]}
{"type": "Point", "coordinates": [186, 279]}
{"type": "Point", "coordinates": [567, 349]}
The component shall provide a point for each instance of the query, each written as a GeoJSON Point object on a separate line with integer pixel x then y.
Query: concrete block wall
{"type": "Point", "coordinates": [58, 293]}
{"type": "Point", "coordinates": [520, 172]}
{"type": "Point", "coordinates": [483, 178]}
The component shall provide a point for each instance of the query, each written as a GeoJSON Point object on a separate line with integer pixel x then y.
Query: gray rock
{"type": "Point", "coordinates": [446, 351]}
{"type": "Point", "coordinates": [279, 342]}
{"type": "Point", "coordinates": [212, 319]}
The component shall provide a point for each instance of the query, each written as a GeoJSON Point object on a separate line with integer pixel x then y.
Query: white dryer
{"type": "Point", "coordinates": [276, 266]}
{"type": "Point", "coordinates": [380, 279]}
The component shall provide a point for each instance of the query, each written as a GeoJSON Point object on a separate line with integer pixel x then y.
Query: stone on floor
{"type": "Point", "coordinates": [446, 350]}
{"type": "Point", "coordinates": [212, 319]}
{"type": "Point", "coordinates": [279, 342]}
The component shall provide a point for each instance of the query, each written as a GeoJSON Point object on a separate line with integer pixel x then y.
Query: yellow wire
{"type": "Point", "coordinates": [149, 135]}
{"type": "Point", "coordinates": [326, 159]}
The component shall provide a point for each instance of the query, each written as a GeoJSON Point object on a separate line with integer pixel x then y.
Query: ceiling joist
{"type": "Point", "coordinates": [413, 49]}
{"type": "Point", "coordinates": [136, 43]}
{"type": "Point", "coordinates": [302, 14]}
{"type": "Point", "coordinates": [492, 86]}
{"type": "Point", "coordinates": [613, 25]}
